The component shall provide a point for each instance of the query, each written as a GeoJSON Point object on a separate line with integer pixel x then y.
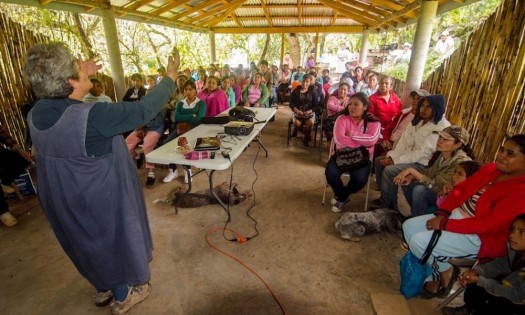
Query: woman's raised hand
{"type": "Point", "coordinates": [89, 66]}
{"type": "Point", "coordinates": [172, 70]}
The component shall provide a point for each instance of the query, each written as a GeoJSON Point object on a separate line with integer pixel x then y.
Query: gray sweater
{"type": "Point", "coordinates": [512, 287]}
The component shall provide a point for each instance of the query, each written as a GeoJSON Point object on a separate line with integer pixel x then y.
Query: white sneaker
{"type": "Point", "coordinates": [136, 294]}
{"type": "Point", "coordinates": [103, 298]}
{"type": "Point", "coordinates": [340, 205]}
{"type": "Point", "coordinates": [186, 177]}
{"type": "Point", "coordinates": [171, 176]}
{"type": "Point", "coordinates": [8, 219]}
{"type": "Point", "coordinates": [333, 201]}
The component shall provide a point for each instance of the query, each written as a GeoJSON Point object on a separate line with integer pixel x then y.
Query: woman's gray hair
{"type": "Point", "coordinates": [48, 69]}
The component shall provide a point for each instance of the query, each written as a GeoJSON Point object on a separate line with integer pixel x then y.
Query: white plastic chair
{"type": "Point", "coordinates": [332, 146]}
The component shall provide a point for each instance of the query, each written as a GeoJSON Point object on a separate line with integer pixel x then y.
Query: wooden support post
{"type": "Point", "coordinates": [282, 49]}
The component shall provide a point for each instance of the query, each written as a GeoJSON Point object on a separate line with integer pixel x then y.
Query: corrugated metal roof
{"type": "Point", "coordinates": [207, 15]}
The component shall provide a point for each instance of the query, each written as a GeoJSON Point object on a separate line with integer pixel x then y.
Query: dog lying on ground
{"type": "Point", "coordinates": [353, 225]}
{"type": "Point", "coordinates": [222, 191]}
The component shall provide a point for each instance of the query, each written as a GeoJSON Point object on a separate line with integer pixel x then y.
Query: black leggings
{"type": "Point", "coordinates": [479, 302]}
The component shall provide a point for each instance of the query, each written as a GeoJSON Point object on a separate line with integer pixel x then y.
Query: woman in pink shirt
{"type": "Point", "coordinates": [255, 94]}
{"type": "Point", "coordinates": [337, 104]}
{"type": "Point", "coordinates": [354, 128]}
{"type": "Point", "coordinates": [215, 99]}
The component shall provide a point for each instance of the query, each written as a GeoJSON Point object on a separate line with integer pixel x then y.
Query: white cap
{"type": "Point", "coordinates": [445, 33]}
{"type": "Point", "coordinates": [407, 45]}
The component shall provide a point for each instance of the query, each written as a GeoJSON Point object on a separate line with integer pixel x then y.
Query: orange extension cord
{"type": "Point", "coordinates": [241, 239]}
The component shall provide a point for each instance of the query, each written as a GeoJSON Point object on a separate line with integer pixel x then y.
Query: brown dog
{"type": "Point", "coordinates": [222, 191]}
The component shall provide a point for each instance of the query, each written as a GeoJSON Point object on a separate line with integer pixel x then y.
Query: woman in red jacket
{"type": "Point", "coordinates": [484, 205]}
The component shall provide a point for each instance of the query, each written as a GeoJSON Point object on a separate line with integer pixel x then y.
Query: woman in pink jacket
{"type": "Point", "coordinates": [215, 99]}
{"type": "Point", "coordinates": [354, 128]}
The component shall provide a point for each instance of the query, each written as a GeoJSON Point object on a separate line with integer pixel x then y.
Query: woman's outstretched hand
{"type": "Point", "coordinates": [172, 70]}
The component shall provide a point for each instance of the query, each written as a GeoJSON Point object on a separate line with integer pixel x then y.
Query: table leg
{"type": "Point", "coordinates": [187, 170]}
{"type": "Point", "coordinates": [214, 194]}
{"type": "Point", "coordinates": [258, 140]}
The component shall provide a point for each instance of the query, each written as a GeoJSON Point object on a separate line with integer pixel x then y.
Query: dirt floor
{"type": "Point", "coordinates": [298, 251]}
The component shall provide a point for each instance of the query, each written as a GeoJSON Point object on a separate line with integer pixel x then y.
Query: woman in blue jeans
{"type": "Point", "coordinates": [353, 128]}
{"type": "Point", "coordinates": [421, 188]}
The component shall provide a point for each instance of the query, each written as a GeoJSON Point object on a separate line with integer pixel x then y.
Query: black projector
{"type": "Point", "coordinates": [238, 128]}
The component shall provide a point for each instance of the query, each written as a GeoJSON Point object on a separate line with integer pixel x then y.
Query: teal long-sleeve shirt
{"type": "Point", "coordinates": [192, 115]}
{"type": "Point", "coordinates": [106, 120]}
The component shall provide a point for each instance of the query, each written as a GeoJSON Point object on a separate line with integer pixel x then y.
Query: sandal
{"type": "Point", "coordinates": [442, 292]}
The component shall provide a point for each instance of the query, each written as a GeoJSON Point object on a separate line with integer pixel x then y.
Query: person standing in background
{"type": "Point", "coordinates": [445, 45]}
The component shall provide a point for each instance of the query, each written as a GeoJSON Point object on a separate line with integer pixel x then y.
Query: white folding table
{"type": "Point", "coordinates": [168, 153]}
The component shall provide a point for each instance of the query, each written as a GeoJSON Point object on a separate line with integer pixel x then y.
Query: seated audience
{"type": "Point", "coordinates": [303, 103]}
{"type": "Point", "coordinates": [393, 131]}
{"type": "Point", "coordinates": [137, 91]}
{"type": "Point", "coordinates": [255, 94]}
{"type": "Point", "coordinates": [384, 104]}
{"type": "Point", "coordinates": [149, 134]}
{"type": "Point", "coordinates": [337, 104]}
{"type": "Point", "coordinates": [414, 148]}
{"type": "Point", "coordinates": [284, 82]}
{"type": "Point", "coordinates": [475, 217]}
{"type": "Point", "coordinates": [215, 99]}
{"type": "Point", "coordinates": [227, 89]}
{"type": "Point", "coordinates": [201, 82]}
{"type": "Point", "coordinates": [12, 164]}
{"type": "Point", "coordinates": [421, 188]}
{"type": "Point", "coordinates": [188, 114]}
{"type": "Point", "coordinates": [96, 93]}
{"type": "Point", "coordinates": [486, 292]}
{"type": "Point", "coordinates": [355, 127]}
{"type": "Point", "coordinates": [371, 86]}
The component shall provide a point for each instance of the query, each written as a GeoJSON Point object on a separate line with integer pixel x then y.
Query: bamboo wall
{"type": "Point", "coordinates": [14, 43]}
{"type": "Point", "coordinates": [484, 80]}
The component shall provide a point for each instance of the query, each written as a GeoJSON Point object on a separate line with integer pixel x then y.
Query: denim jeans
{"type": "Point", "coordinates": [388, 187]}
{"type": "Point", "coordinates": [358, 179]}
{"type": "Point", "coordinates": [419, 197]}
{"type": "Point", "coordinates": [449, 245]}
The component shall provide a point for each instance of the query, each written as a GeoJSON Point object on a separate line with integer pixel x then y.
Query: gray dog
{"type": "Point", "coordinates": [352, 225]}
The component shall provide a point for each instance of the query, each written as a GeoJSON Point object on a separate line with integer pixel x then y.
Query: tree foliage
{"type": "Point", "coordinates": [145, 47]}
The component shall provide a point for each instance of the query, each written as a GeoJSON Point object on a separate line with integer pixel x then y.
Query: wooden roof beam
{"type": "Point", "coordinates": [207, 14]}
{"type": "Point", "coordinates": [44, 2]}
{"type": "Point", "coordinates": [168, 7]}
{"type": "Point", "coordinates": [138, 4]}
{"type": "Point", "coordinates": [299, 13]}
{"type": "Point", "coordinates": [411, 7]}
{"type": "Point", "coordinates": [344, 11]}
{"type": "Point", "coordinates": [355, 10]}
{"type": "Point", "coordinates": [196, 8]}
{"type": "Point", "coordinates": [265, 10]}
{"type": "Point", "coordinates": [148, 16]}
{"type": "Point", "coordinates": [279, 30]}
{"type": "Point", "coordinates": [233, 6]}
{"type": "Point", "coordinates": [392, 5]}
{"type": "Point", "coordinates": [236, 20]}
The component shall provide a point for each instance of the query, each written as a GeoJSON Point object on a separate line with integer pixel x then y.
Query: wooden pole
{"type": "Point", "coordinates": [316, 45]}
{"type": "Point", "coordinates": [115, 61]}
{"type": "Point", "coordinates": [212, 47]}
{"type": "Point", "coordinates": [282, 49]}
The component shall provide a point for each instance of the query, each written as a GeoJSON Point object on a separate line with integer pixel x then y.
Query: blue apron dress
{"type": "Point", "coordinates": [95, 204]}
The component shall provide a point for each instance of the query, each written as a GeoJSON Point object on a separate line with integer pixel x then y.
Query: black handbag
{"type": "Point", "coordinates": [348, 159]}
{"type": "Point", "coordinates": [329, 122]}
